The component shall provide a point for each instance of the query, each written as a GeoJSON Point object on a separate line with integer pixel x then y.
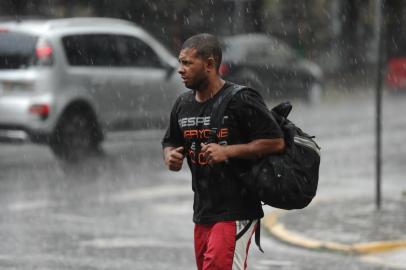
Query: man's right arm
{"type": "Point", "coordinates": [173, 157]}
{"type": "Point", "coordinates": [172, 151]}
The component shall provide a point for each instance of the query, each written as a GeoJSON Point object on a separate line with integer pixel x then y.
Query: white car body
{"type": "Point", "coordinates": [120, 97]}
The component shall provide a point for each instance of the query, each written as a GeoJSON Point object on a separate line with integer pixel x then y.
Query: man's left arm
{"type": "Point", "coordinates": [216, 153]}
{"type": "Point", "coordinates": [264, 134]}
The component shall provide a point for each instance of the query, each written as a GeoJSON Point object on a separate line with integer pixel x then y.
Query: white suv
{"type": "Point", "coordinates": [65, 82]}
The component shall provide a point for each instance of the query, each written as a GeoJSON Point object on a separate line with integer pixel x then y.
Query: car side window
{"type": "Point", "coordinates": [91, 50]}
{"type": "Point", "coordinates": [273, 51]}
{"type": "Point", "coordinates": [259, 53]}
{"type": "Point", "coordinates": [281, 51]}
{"type": "Point", "coordinates": [136, 53]}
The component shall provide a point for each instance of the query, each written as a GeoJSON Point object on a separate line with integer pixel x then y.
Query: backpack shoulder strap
{"type": "Point", "coordinates": [219, 108]}
{"type": "Point", "coordinates": [216, 121]}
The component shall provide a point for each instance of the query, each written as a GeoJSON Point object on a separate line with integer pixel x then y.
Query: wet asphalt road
{"type": "Point", "coordinates": [125, 211]}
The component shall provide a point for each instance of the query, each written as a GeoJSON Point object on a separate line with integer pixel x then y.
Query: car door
{"type": "Point", "coordinates": [146, 83]}
{"type": "Point", "coordinates": [274, 64]}
{"type": "Point", "coordinates": [95, 69]}
{"type": "Point", "coordinates": [285, 78]}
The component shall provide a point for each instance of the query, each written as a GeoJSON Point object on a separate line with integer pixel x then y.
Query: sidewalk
{"type": "Point", "coordinates": [351, 226]}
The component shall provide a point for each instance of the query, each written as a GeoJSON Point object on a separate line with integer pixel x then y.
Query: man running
{"type": "Point", "coordinates": [225, 212]}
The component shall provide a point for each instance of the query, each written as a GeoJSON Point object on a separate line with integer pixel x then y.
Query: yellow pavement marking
{"type": "Point", "coordinates": [279, 231]}
{"type": "Point", "coordinates": [380, 246]}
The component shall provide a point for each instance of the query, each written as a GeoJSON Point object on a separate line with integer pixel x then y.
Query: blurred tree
{"type": "Point", "coordinates": [337, 32]}
{"type": "Point", "coordinates": [342, 29]}
{"type": "Point", "coordinates": [396, 27]}
{"type": "Point", "coordinates": [19, 6]}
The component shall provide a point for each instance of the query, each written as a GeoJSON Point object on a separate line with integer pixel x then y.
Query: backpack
{"type": "Point", "coordinates": [288, 180]}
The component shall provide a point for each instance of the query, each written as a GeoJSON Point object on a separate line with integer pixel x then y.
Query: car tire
{"type": "Point", "coordinates": [314, 93]}
{"type": "Point", "coordinates": [75, 137]}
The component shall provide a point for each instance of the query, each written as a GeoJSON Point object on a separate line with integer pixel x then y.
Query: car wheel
{"type": "Point", "coordinates": [314, 93]}
{"type": "Point", "coordinates": [75, 137]}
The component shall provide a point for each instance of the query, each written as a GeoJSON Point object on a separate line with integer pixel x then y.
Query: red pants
{"type": "Point", "coordinates": [223, 245]}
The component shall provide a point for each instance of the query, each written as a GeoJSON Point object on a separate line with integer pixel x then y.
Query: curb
{"type": "Point", "coordinates": [279, 231]}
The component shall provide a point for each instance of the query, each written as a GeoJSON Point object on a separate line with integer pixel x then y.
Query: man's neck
{"type": "Point", "coordinates": [210, 90]}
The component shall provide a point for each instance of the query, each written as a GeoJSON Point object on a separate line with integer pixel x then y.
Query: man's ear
{"type": "Point", "coordinates": [211, 63]}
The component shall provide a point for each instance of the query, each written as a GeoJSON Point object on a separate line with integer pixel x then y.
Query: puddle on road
{"type": "Point", "coordinates": [28, 205]}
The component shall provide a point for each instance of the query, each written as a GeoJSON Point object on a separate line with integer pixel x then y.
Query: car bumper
{"type": "Point", "coordinates": [17, 124]}
{"type": "Point", "coordinates": [19, 134]}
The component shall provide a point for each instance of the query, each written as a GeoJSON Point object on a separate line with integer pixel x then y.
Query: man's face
{"type": "Point", "coordinates": [192, 69]}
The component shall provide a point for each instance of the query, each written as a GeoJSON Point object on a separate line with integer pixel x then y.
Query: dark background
{"type": "Point", "coordinates": [340, 35]}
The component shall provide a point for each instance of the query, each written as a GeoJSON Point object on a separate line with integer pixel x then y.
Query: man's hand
{"type": "Point", "coordinates": [174, 158]}
{"type": "Point", "coordinates": [214, 153]}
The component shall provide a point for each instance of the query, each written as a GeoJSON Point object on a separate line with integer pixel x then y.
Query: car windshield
{"type": "Point", "coordinates": [16, 50]}
{"type": "Point", "coordinates": [257, 49]}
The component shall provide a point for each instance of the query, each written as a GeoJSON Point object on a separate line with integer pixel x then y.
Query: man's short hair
{"type": "Point", "coordinates": [206, 46]}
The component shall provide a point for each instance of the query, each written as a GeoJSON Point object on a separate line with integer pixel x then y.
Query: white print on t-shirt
{"type": "Point", "coordinates": [195, 121]}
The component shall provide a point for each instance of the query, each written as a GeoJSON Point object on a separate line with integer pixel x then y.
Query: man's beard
{"type": "Point", "coordinates": [199, 84]}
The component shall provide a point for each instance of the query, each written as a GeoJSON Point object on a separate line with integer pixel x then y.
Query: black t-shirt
{"type": "Point", "coordinates": [218, 194]}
